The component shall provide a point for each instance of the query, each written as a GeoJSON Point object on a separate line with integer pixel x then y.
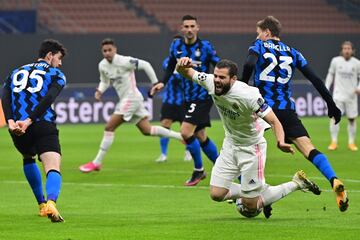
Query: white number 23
{"type": "Point", "coordinates": [20, 81]}
{"type": "Point", "coordinates": [285, 64]}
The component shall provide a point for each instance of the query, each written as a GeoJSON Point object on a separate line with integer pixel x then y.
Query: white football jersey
{"type": "Point", "coordinates": [120, 74]}
{"type": "Point", "coordinates": [345, 75]}
{"type": "Point", "coordinates": [239, 110]}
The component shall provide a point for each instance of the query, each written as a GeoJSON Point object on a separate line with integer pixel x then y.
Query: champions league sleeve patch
{"type": "Point", "coordinates": [134, 62]}
{"type": "Point", "coordinates": [202, 77]}
{"type": "Point", "coordinates": [262, 105]}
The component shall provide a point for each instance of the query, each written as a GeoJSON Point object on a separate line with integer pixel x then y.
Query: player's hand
{"type": "Point", "coordinates": [14, 128]}
{"type": "Point", "coordinates": [183, 63]}
{"type": "Point", "coordinates": [156, 88]}
{"type": "Point", "coordinates": [98, 95]}
{"type": "Point", "coordinates": [334, 112]}
{"type": "Point", "coordinates": [23, 125]}
{"type": "Point", "coordinates": [285, 147]}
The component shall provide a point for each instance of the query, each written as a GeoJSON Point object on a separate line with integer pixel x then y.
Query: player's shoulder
{"type": "Point", "coordinates": [205, 42]}
{"type": "Point", "coordinates": [256, 46]}
{"type": "Point", "coordinates": [244, 91]}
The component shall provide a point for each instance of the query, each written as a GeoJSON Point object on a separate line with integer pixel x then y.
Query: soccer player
{"type": "Point", "coordinates": [244, 147]}
{"type": "Point", "coordinates": [119, 70]}
{"type": "Point", "coordinates": [274, 63]}
{"type": "Point", "coordinates": [344, 72]}
{"type": "Point", "coordinates": [29, 92]}
{"type": "Point", "coordinates": [197, 101]}
{"type": "Point", "coordinates": [172, 110]}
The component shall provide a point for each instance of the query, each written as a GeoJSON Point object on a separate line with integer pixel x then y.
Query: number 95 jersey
{"type": "Point", "coordinates": [274, 69]}
{"type": "Point", "coordinates": [29, 84]}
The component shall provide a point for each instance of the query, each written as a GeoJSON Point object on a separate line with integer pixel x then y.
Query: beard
{"type": "Point", "coordinates": [224, 90]}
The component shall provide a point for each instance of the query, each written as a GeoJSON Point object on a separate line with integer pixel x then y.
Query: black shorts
{"type": "Point", "coordinates": [173, 112]}
{"type": "Point", "coordinates": [40, 137]}
{"type": "Point", "coordinates": [198, 113]}
{"type": "Point", "coordinates": [292, 125]}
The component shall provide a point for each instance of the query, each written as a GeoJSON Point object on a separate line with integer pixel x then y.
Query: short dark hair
{"type": "Point", "coordinates": [230, 65]}
{"type": "Point", "coordinates": [107, 41]}
{"type": "Point", "coordinates": [271, 23]}
{"type": "Point", "coordinates": [189, 17]}
{"type": "Point", "coordinates": [53, 46]}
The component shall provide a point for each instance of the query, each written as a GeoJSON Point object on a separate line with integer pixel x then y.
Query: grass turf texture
{"type": "Point", "coordinates": [132, 197]}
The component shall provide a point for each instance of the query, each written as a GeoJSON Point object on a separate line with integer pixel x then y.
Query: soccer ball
{"type": "Point", "coordinates": [244, 211]}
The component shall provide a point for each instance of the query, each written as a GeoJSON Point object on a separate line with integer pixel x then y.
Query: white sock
{"type": "Point", "coordinates": [351, 132]}
{"type": "Point", "coordinates": [234, 192]}
{"type": "Point", "coordinates": [334, 131]}
{"type": "Point", "coordinates": [274, 193]}
{"type": "Point", "coordinates": [106, 142]}
{"type": "Point", "coordinates": [164, 132]}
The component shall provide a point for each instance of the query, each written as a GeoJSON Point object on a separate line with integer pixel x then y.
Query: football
{"type": "Point", "coordinates": [244, 211]}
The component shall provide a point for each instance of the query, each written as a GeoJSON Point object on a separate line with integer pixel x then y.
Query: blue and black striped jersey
{"type": "Point", "coordinates": [27, 87]}
{"type": "Point", "coordinates": [174, 89]}
{"type": "Point", "coordinates": [203, 54]}
{"type": "Point", "coordinates": [274, 70]}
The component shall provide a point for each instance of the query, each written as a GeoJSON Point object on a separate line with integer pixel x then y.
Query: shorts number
{"type": "Point", "coordinates": [285, 64]}
{"type": "Point", "coordinates": [192, 107]}
{"type": "Point", "coordinates": [20, 81]}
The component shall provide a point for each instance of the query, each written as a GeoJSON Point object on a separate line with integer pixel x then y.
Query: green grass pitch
{"type": "Point", "coordinates": [132, 197]}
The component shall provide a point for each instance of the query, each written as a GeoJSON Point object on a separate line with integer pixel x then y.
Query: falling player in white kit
{"type": "Point", "coordinates": [244, 147]}
{"type": "Point", "coordinates": [344, 73]}
{"type": "Point", "coordinates": [118, 70]}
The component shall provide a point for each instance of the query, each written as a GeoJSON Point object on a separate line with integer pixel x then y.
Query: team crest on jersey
{"type": "Point", "coordinates": [197, 53]}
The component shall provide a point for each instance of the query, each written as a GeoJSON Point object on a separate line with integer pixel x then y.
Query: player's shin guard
{"type": "Point", "coordinates": [322, 163]}
{"type": "Point", "coordinates": [193, 145]}
{"type": "Point", "coordinates": [164, 132]}
{"type": "Point", "coordinates": [53, 184]}
{"type": "Point", "coordinates": [210, 149]}
{"type": "Point", "coordinates": [33, 176]}
{"type": "Point", "coordinates": [106, 143]}
{"type": "Point", "coordinates": [164, 142]}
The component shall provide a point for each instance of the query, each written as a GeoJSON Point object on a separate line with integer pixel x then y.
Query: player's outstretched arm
{"type": "Point", "coordinates": [276, 126]}
{"type": "Point", "coordinates": [333, 110]}
{"type": "Point", "coordinates": [184, 67]}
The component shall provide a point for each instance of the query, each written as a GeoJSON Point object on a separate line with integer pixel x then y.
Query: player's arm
{"type": "Point", "coordinates": [6, 104]}
{"type": "Point", "coordinates": [249, 66]}
{"type": "Point", "coordinates": [148, 69]}
{"type": "Point", "coordinates": [214, 58]}
{"type": "Point", "coordinates": [333, 110]}
{"type": "Point", "coordinates": [330, 75]}
{"type": "Point", "coordinates": [103, 85]}
{"type": "Point", "coordinates": [357, 90]}
{"type": "Point", "coordinates": [278, 130]}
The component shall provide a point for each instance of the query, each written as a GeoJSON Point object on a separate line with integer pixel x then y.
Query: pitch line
{"type": "Point", "coordinates": [138, 185]}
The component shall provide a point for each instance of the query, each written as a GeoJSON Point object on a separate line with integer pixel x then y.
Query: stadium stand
{"type": "Point", "coordinates": [228, 16]}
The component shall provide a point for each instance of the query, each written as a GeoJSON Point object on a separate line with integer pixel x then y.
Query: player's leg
{"type": "Point", "coordinates": [334, 129]}
{"type": "Point", "coordinates": [107, 140]}
{"type": "Point", "coordinates": [187, 131]}
{"type": "Point", "coordinates": [51, 162]}
{"type": "Point", "coordinates": [207, 145]}
{"type": "Point", "coordinates": [149, 130]}
{"type": "Point", "coordinates": [164, 141]}
{"type": "Point", "coordinates": [25, 145]}
{"type": "Point", "coordinates": [49, 152]}
{"type": "Point", "coordinates": [351, 109]}
{"type": "Point", "coordinates": [321, 162]}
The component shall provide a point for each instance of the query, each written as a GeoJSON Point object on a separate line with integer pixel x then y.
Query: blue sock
{"type": "Point", "coordinates": [210, 149]}
{"type": "Point", "coordinates": [321, 162]}
{"type": "Point", "coordinates": [33, 176]}
{"type": "Point", "coordinates": [53, 184]}
{"type": "Point", "coordinates": [164, 142]}
{"type": "Point", "coordinates": [193, 145]}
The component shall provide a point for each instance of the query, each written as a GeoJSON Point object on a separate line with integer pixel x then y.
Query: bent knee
{"type": "Point", "coordinates": [217, 197]}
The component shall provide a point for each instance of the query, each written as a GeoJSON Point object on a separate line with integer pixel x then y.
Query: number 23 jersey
{"type": "Point", "coordinates": [28, 86]}
{"type": "Point", "coordinates": [274, 70]}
